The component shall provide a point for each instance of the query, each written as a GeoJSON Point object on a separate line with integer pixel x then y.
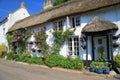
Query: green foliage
{"type": "Point", "coordinates": [35, 60]}
{"type": "Point", "coordinates": [24, 57]}
{"type": "Point", "coordinates": [106, 68]}
{"type": "Point", "coordinates": [41, 39]}
{"type": "Point", "coordinates": [60, 38]}
{"type": "Point", "coordinates": [11, 36]}
{"type": "Point", "coordinates": [100, 65]}
{"type": "Point", "coordinates": [10, 56]}
{"type": "Point", "coordinates": [101, 52]}
{"type": "Point", "coordinates": [117, 60]}
{"type": "Point", "coordinates": [3, 50]}
{"type": "Point", "coordinates": [60, 61]}
{"type": "Point", "coordinates": [93, 64]}
{"type": "Point", "coordinates": [54, 60]}
{"type": "Point", "coordinates": [57, 2]}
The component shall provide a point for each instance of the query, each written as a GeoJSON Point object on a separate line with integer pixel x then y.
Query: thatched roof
{"type": "Point", "coordinates": [68, 8]}
{"type": "Point", "coordinates": [97, 25]}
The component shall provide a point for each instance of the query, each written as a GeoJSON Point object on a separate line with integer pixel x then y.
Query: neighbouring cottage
{"type": "Point", "coordinates": [9, 20]}
{"type": "Point", "coordinates": [95, 23]}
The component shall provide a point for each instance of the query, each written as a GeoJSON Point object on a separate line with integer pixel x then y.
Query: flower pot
{"type": "Point", "coordinates": [115, 37]}
{"type": "Point", "coordinates": [92, 69]}
{"type": "Point", "coordinates": [106, 71]}
{"type": "Point", "coordinates": [116, 44]}
{"type": "Point", "coordinates": [99, 71]}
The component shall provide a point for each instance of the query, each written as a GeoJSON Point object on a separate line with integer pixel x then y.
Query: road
{"type": "Point", "coordinates": [14, 71]}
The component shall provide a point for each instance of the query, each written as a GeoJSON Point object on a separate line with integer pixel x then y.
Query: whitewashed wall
{"type": "Point", "coordinates": [110, 14]}
{"type": "Point", "coordinates": [2, 32]}
{"type": "Point", "coordinates": [19, 14]}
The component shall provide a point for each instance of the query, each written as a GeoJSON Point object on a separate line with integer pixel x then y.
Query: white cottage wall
{"type": "Point", "coordinates": [110, 14]}
{"type": "Point", "coordinates": [19, 14]}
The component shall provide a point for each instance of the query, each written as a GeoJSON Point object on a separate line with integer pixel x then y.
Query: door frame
{"type": "Point", "coordinates": [107, 45]}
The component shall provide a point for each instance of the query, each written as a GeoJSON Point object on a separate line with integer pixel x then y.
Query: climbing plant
{"type": "Point", "coordinates": [41, 41]}
{"type": "Point", "coordinates": [60, 38]}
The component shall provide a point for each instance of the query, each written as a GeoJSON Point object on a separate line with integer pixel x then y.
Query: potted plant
{"type": "Point", "coordinates": [115, 37]}
{"type": "Point", "coordinates": [116, 44]}
{"type": "Point", "coordinates": [106, 70]}
{"type": "Point", "coordinates": [99, 69]}
{"type": "Point", "coordinates": [117, 63]}
{"type": "Point", "coordinates": [92, 66]}
{"type": "Point", "coordinates": [101, 52]}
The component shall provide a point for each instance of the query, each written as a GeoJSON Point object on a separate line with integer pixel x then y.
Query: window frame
{"type": "Point", "coordinates": [59, 25]}
{"type": "Point", "coordinates": [75, 21]}
{"type": "Point", "coordinates": [71, 48]}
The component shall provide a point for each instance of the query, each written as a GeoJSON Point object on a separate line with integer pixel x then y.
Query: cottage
{"type": "Point", "coordinates": [9, 20]}
{"type": "Point", "coordinates": [95, 23]}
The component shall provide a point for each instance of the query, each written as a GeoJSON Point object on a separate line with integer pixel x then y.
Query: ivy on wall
{"type": "Point", "coordinates": [60, 38]}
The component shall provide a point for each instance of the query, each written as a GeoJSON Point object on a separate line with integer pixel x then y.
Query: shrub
{"type": "Point", "coordinates": [3, 50]}
{"type": "Point", "coordinates": [36, 60]}
{"type": "Point", "coordinates": [25, 57]}
{"type": "Point", "coordinates": [10, 56]}
{"type": "Point", "coordinates": [117, 60]}
{"type": "Point", "coordinates": [54, 60]}
{"type": "Point", "coordinates": [60, 61]}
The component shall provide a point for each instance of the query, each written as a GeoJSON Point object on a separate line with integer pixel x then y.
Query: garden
{"type": "Point", "coordinates": [50, 60]}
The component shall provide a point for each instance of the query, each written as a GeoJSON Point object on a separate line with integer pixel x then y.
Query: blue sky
{"type": "Point", "coordinates": [7, 6]}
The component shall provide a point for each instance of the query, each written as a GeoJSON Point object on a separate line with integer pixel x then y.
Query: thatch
{"type": "Point", "coordinates": [68, 8]}
{"type": "Point", "coordinates": [97, 25]}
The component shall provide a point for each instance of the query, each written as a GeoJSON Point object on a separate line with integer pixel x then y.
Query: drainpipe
{"type": "Point", "coordinates": [86, 52]}
{"type": "Point", "coordinates": [68, 23]}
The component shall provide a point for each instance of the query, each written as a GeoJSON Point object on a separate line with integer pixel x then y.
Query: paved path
{"type": "Point", "coordinates": [14, 71]}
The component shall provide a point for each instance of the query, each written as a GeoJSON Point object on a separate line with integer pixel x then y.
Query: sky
{"type": "Point", "coordinates": [8, 6]}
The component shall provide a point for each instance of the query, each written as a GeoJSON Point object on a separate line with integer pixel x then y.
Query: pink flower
{"type": "Point", "coordinates": [74, 29]}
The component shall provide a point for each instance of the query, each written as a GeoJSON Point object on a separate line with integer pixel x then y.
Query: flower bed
{"type": "Point", "coordinates": [53, 60]}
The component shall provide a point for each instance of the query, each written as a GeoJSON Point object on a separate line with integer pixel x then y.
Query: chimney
{"type": "Point", "coordinates": [23, 5]}
{"type": "Point", "coordinates": [48, 4]}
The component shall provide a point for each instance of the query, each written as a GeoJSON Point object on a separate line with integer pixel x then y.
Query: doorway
{"type": "Point", "coordinates": [100, 41]}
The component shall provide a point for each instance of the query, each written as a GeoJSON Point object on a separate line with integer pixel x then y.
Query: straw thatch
{"type": "Point", "coordinates": [68, 8]}
{"type": "Point", "coordinates": [97, 25]}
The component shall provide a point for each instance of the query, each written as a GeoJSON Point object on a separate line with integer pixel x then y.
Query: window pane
{"type": "Point", "coordinates": [77, 21]}
{"type": "Point", "coordinates": [73, 22]}
{"type": "Point", "coordinates": [73, 45]}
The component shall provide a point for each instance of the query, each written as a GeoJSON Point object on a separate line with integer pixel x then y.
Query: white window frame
{"type": "Point", "coordinates": [59, 24]}
{"type": "Point", "coordinates": [73, 52]}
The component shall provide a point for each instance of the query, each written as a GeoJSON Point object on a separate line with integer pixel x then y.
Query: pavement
{"type": "Point", "coordinates": [11, 70]}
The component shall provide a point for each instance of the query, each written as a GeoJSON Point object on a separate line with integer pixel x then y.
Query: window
{"type": "Point", "coordinates": [99, 41]}
{"type": "Point", "coordinates": [75, 21]}
{"type": "Point", "coordinates": [73, 45]}
{"type": "Point", "coordinates": [3, 29]}
{"type": "Point", "coordinates": [58, 25]}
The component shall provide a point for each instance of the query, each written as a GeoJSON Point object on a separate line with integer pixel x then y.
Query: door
{"type": "Point", "coordinates": [100, 41]}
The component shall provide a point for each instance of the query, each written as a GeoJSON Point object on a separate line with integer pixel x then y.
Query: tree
{"type": "Point", "coordinates": [57, 2]}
